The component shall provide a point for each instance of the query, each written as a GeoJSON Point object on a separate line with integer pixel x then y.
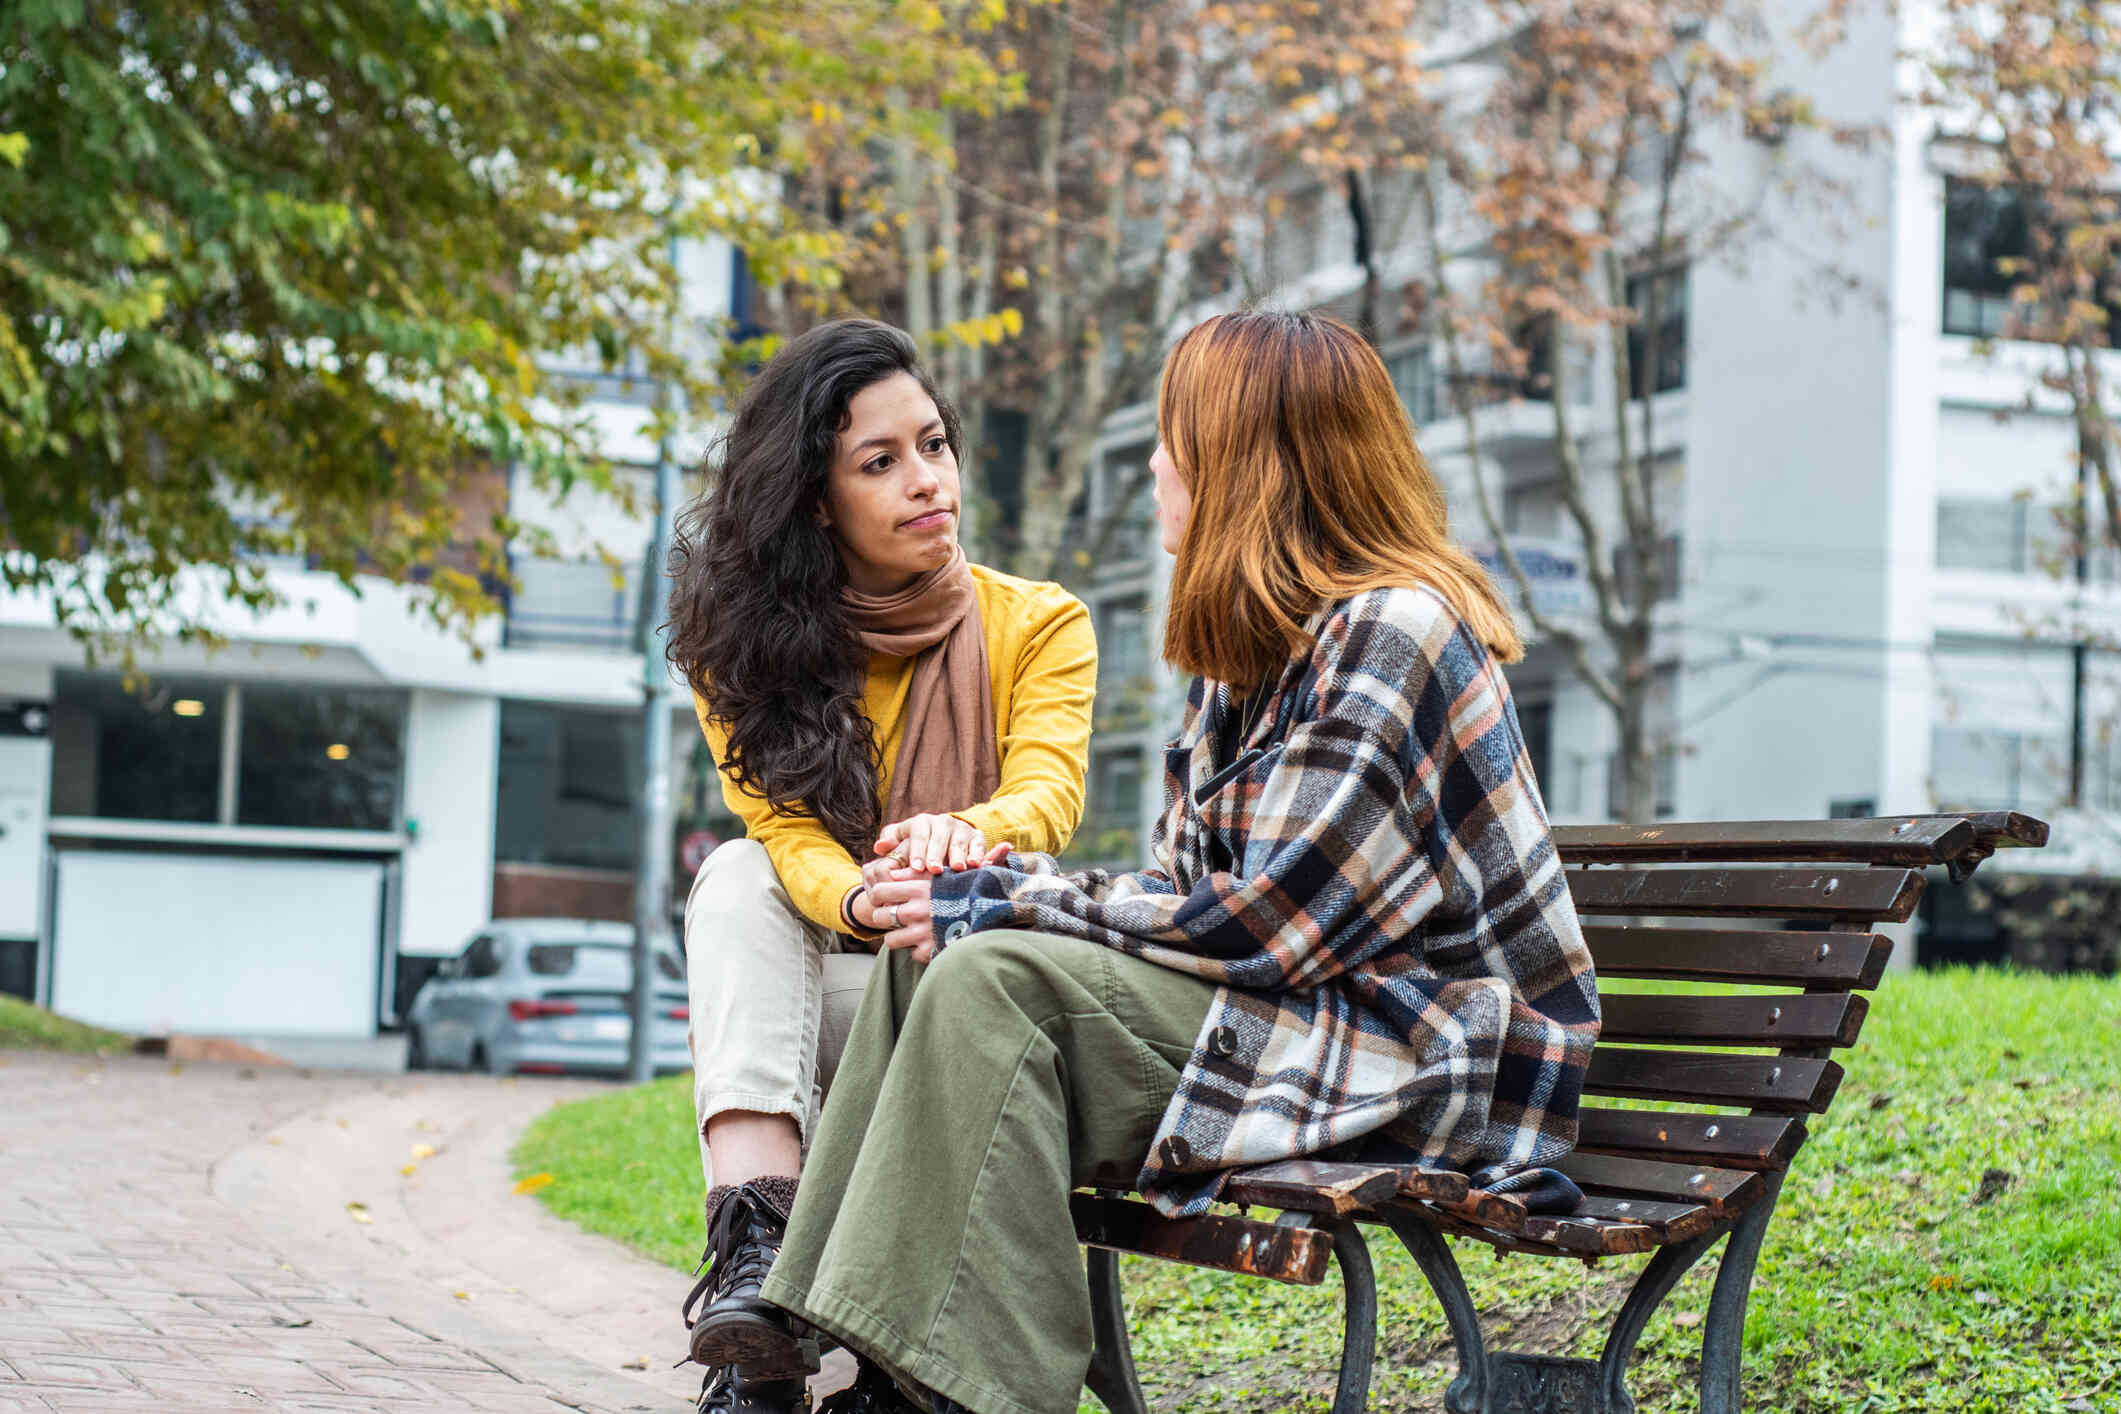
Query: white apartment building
{"type": "Point", "coordinates": [1867, 617]}
{"type": "Point", "coordinates": [283, 836]}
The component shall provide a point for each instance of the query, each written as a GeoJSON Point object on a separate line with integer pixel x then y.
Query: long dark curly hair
{"type": "Point", "coordinates": [756, 622]}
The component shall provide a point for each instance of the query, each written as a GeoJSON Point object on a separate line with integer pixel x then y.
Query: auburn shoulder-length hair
{"type": "Point", "coordinates": [1307, 488]}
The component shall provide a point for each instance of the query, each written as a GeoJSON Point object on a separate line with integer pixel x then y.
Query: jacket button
{"type": "Point", "coordinates": [1177, 1153]}
{"type": "Point", "coordinates": [1223, 1041]}
{"type": "Point", "coordinates": [955, 931]}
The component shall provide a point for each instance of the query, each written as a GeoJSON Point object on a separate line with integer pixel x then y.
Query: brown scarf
{"type": "Point", "coordinates": [946, 755]}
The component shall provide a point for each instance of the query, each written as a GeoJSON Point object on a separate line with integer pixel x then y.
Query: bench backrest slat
{"type": "Point", "coordinates": [1804, 1022]}
{"type": "Point", "coordinates": [1731, 1141]}
{"type": "Point", "coordinates": [1741, 955]}
{"type": "Point", "coordinates": [1835, 894]}
{"type": "Point", "coordinates": [1913, 841]}
{"type": "Point", "coordinates": [1776, 1084]}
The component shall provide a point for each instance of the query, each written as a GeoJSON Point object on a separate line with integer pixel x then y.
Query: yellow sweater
{"type": "Point", "coordinates": [1042, 657]}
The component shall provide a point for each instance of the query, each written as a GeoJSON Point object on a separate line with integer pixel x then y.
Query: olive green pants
{"type": "Point", "coordinates": [932, 1231]}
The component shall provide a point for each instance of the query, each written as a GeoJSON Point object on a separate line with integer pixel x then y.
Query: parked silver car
{"type": "Point", "coordinates": [544, 996]}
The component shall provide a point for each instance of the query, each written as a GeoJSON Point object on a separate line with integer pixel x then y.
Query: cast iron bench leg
{"type": "Point", "coordinates": [1111, 1376]}
{"type": "Point", "coordinates": [1656, 1282]}
{"type": "Point", "coordinates": [1723, 1335]}
{"type": "Point", "coordinates": [1468, 1394]}
{"type": "Point", "coordinates": [1358, 1348]}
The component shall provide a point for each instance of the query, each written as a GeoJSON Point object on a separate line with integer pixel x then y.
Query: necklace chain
{"type": "Point", "coordinates": [1253, 707]}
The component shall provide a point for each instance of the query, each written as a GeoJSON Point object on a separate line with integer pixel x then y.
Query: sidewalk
{"type": "Point", "coordinates": [227, 1237]}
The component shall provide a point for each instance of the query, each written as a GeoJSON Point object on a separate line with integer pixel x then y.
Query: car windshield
{"type": "Point", "coordinates": [594, 964]}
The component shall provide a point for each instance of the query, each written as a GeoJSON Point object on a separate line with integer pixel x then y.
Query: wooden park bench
{"type": "Point", "coordinates": [1746, 1065]}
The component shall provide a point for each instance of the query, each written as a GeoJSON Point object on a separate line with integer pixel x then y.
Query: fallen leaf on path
{"type": "Point", "coordinates": [639, 1362]}
{"type": "Point", "coordinates": [409, 1170]}
{"type": "Point", "coordinates": [359, 1212]}
{"type": "Point", "coordinates": [531, 1183]}
{"type": "Point", "coordinates": [462, 1295]}
{"type": "Point", "coordinates": [424, 1151]}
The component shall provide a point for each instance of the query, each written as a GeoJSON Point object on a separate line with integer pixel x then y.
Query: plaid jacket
{"type": "Point", "coordinates": [1373, 883]}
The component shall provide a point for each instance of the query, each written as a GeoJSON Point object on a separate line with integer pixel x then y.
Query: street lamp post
{"type": "Point", "coordinates": [651, 874]}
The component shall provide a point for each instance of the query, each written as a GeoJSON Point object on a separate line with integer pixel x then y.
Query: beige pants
{"type": "Point", "coordinates": [772, 995]}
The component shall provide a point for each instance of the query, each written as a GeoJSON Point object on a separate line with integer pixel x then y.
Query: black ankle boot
{"type": "Point", "coordinates": [735, 1326]}
{"type": "Point", "coordinates": [727, 1392]}
{"type": "Point", "coordinates": [873, 1392]}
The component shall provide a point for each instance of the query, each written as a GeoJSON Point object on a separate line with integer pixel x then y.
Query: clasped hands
{"type": "Point", "coordinates": [893, 897]}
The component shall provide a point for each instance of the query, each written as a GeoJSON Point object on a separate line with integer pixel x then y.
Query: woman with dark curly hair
{"type": "Point", "coordinates": [880, 710]}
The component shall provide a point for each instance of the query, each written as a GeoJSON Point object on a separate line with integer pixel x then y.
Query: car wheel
{"type": "Point", "coordinates": [416, 1050]}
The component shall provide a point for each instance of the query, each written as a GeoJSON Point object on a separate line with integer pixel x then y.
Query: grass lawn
{"type": "Point", "coordinates": [1884, 1285]}
{"type": "Point", "coordinates": [23, 1025]}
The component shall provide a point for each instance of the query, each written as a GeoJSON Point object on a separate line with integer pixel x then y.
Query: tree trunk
{"type": "Point", "coordinates": [1638, 748]}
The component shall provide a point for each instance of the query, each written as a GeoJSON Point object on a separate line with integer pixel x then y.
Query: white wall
{"type": "Point", "coordinates": [25, 775]}
{"type": "Point", "coordinates": [453, 743]}
{"type": "Point", "coordinates": [1790, 456]}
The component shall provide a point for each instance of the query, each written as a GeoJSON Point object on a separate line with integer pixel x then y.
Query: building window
{"type": "Point", "coordinates": [1535, 720]}
{"type": "Point", "coordinates": [2012, 537]}
{"type": "Point", "coordinates": [580, 604]}
{"type": "Point", "coordinates": [150, 754]}
{"type": "Point", "coordinates": [1671, 289]}
{"type": "Point", "coordinates": [320, 758]}
{"type": "Point", "coordinates": [569, 786]}
{"type": "Point", "coordinates": [1985, 226]}
{"type": "Point", "coordinates": [1123, 640]}
{"type": "Point", "coordinates": [1414, 377]}
{"type": "Point", "coordinates": [1974, 768]}
{"type": "Point", "coordinates": [1111, 833]}
{"type": "Point", "coordinates": [311, 758]}
{"type": "Point", "coordinates": [1982, 535]}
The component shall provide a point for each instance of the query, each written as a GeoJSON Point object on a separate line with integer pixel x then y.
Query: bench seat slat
{"type": "Point", "coordinates": [1297, 1255]}
{"type": "Point", "coordinates": [1778, 1084]}
{"type": "Point", "coordinates": [1312, 1186]}
{"type": "Point", "coordinates": [1730, 1141]}
{"type": "Point", "coordinates": [1852, 895]}
{"type": "Point", "coordinates": [1853, 960]}
{"type": "Point", "coordinates": [1671, 1222]}
{"type": "Point", "coordinates": [1592, 1237]}
{"type": "Point", "coordinates": [1831, 1019]}
{"type": "Point", "coordinates": [1722, 1190]}
{"type": "Point", "coordinates": [1583, 1236]}
{"type": "Point", "coordinates": [1909, 841]}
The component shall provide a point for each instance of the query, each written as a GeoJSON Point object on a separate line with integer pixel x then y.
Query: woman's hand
{"type": "Point", "coordinates": [895, 901]}
{"type": "Point", "coordinates": [931, 844]}
{"type": "Point", "coordinates": [901, 910]}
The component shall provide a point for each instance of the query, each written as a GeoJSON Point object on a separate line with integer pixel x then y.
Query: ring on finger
{"type": "Point", "coordinates": [895, 918]}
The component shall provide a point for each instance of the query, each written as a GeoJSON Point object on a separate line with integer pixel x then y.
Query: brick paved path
{"type": "Point", "coordinates": [126, 1283]}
